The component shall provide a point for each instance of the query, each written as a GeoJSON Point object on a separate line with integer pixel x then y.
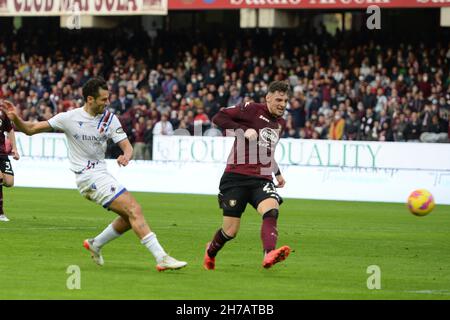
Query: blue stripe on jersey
{"type": "Point", "coordinates": [109, 122]}
{"type": "Point", "coordinates": [104, 113]}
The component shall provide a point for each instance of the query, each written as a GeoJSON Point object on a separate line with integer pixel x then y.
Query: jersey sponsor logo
{"type": "Point", "coordinates": [264, 118]}
{"type": "Point", "coordinates": [86, 137]}
{"type": "Point", "coordinates": [120, 130]}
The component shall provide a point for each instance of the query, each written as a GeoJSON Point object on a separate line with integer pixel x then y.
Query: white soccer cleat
{"type": "Point", "coordinates": [169, 263]}
{"type": "Point", "coordinates": [3, 218]}
{"type": "Point", "coordinates": [95, 252]}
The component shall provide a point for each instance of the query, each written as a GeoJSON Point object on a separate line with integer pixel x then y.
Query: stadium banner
{"type": "Point", "coordinates": [317, 153]}
{"type": "Point", "coordinates": [303, 4]}
{"type": "Point", "coordinates": [297, 152]}
{"type": "Point", "coordinates": [82, 7]}
{"type": "Point", "coordinates": [322, 183]}
{"type": "Point", "coordinates": [373, 171]}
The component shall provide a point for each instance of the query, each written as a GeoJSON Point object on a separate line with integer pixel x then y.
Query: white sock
{"type": "Point", "coordinates": [106, 236]}
{"type": "Point", "coordinates": [153, 246]}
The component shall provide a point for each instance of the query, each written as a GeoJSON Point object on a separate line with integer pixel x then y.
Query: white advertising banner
{"type": "Point", "coordinates": [386, 172]}
{"type": "Point", "coordinates": [321, 153]}
{"type": "Point", "coordinates": [379, 185]}
{"type": "Point", "coordinates": [82, 7]}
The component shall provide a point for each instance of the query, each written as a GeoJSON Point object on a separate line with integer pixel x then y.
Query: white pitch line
{"type": "Point", "coordinates": [51, 228]}
{"type": "Point", "coordinates": [441, 292]}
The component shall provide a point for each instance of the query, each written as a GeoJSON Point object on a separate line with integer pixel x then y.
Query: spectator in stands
{"type": "Point", "coordinates": [163, 127]}
{"type": "Point", "coordinates": [139, 146]}
{"type": "Point", "coordinates": [337, 127]}
{"type": "Point", "coordinates": [435, 131]}
{"type": "Point", "coordinates": [413, 129]}
{"type": "Point", "coordinates": [234, 98]}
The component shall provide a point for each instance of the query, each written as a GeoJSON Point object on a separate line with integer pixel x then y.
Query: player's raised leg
{"type": "Point", "coordinates": [268, 209]}
{"type": "Point", "coordinates": [126, 205]}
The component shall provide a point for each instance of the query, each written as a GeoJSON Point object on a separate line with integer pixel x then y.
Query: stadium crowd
{"type": "Point", "coordinates": [360, 90]}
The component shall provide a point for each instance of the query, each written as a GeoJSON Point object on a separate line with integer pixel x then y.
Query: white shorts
{"type": "Point", "coordinates": [99, 186]}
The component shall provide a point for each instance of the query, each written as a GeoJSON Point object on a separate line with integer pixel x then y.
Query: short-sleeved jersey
{"type": "Point", "coordinates": [254, 158]}
{"type": "Point", "coordinates": [5, 126]}
{"type": "Point", "coordinates": [87, 136]}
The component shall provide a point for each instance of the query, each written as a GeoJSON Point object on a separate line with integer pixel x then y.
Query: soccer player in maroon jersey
{"type": "Point", "coordinates": [7, 147]}
{"type": "Point", "coordinates": [248, 177]}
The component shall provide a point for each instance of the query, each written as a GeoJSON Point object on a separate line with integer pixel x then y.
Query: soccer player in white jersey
{"type": "Point", "coordinates": [87, 130]}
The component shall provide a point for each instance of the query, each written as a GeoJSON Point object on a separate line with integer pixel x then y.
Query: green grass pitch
{"type": "Point", "coordinates": [334, 243]}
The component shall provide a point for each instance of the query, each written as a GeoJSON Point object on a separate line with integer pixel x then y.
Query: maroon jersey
{"type": "Point", "coordinates": [251, 158]}
{"type": "Point", "coordinates": [5, 126]}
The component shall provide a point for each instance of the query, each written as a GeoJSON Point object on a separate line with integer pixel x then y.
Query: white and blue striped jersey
{"type": "Point", "coordinates": [87, 136]}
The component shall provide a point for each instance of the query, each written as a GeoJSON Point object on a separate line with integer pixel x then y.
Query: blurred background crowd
{"type": "Point", "coordinates": [344, 87]}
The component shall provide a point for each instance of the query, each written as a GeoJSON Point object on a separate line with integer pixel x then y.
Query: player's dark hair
{"type": "Point", "coordinates": [92, 86]}
{"type": "Point", "coordinates": [281, 86]}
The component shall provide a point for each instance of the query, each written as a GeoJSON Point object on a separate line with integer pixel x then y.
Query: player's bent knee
{"type": "Point", "coordinates": [273, 213]}
{"type": "Point", "coordinates": [8, 182]}
{"type": "Point", "coordinates": [135, 212]}
{"type": "Point", "coordinates": [231, 232]}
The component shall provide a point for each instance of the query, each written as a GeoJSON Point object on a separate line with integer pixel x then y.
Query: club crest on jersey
{"type": "Point", "coordinates": [105, 121]}
{"type": "Point", "coordinates": [232, 203]}
{"type": "Point", "coordinates": [269, 135]}
{"type": "Point", "coordinates": [264, 118]}
{"type": "Point", "coordinates": [80, 123]}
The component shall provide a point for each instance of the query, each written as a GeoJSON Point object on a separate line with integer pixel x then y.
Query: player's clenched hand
{"type": "Point", "coordinates": [15, 154]}
{"type": "Point", "coordinates": [122, 160]}
{"type": "Point", "coordinates": [251, 134]}
{"type": "Point", "coordinates": [8, 108]}
{"type": "Point", "coordinates": [281, 181]}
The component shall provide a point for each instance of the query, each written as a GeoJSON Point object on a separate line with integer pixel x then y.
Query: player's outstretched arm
{"type": "Point", "coordinates": [127, 149]}
{"type": "Point", "coordinates": [27, 127]}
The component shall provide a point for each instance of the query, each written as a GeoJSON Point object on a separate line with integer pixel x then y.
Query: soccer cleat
{"type": "Point", "coordinates": [208, 262]}
{"type": "Point", "coordinates": [276, 256]}
{"type": "Point", "coordinates": [95, 252]}
{"type": "Point", "coordinates": [169, 263]}
{"type": "Point", "coordinates": [3, 218]}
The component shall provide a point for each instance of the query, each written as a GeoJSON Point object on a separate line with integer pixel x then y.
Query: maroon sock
{"type": "Point", "coordinates": [1, 196]}
{"type": "Point", "coordinates": [219, 240]}
{"type": "Point", "coordinates": [269, 232]}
